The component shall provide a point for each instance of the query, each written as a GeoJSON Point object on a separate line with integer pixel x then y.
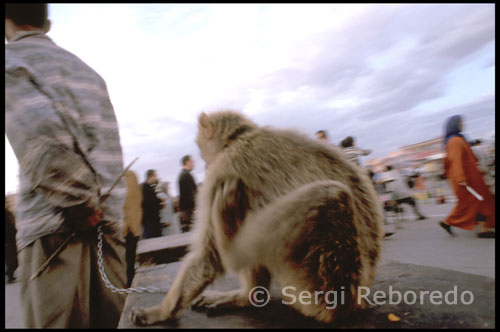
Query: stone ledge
{"type": "Point", "coordinates": [402, 278]}
{"type": "Point", "coordinates": [162, 250]}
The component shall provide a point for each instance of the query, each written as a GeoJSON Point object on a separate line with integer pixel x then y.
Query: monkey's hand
{"type": "Point", "coordinates": [149, 316]}
{"type": "Point", "coordinates": [195, 274]}
{"type": "Point", "coordinates": [214, 301]}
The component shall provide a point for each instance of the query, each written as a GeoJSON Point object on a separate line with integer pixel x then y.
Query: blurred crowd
{"type": "Point", "coordinates": [64, 132]}
{"type": "Point", "coordinates": [413, 179]}
{"type": "Point", "coordinates": [427, 179]}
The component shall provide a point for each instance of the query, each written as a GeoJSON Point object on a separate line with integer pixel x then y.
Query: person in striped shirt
{"type": "Point", "coordinates": [62, 128]}
{"type": "Point", "coordinates": [352, 153]}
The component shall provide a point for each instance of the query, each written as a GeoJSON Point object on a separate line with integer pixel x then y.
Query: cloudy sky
{"type": "Point", "coordinates": [389, 75]}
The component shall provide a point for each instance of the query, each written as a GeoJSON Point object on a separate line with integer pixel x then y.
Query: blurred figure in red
{"type": "Point", "coordinates": [460, 165]}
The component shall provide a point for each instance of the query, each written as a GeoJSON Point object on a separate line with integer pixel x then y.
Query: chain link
{"type": "Point", "coordinates": [104, 277]}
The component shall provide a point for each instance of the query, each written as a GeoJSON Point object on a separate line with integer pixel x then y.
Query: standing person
{"type": "Point", "coordinates": [187, 194]}
{"type": "Point", "coordinates": [460, 165]}
{"type": "Point", "coordinates": [151, 206]}
{"type": "Point", "coordinates": [10, 242]}
{"type": "Point", "coordinates": [401, 192]}
{"type": "Point", "coordinates": [170, 225]}
{"type": "Point", "coordinates": [62, 127]}
{"type": "Point", "coordinates": [352, 152]}
{"type": "Point", "coordinates": [380, 191]}
{"type": "Point", "coordinates": [132, 218]}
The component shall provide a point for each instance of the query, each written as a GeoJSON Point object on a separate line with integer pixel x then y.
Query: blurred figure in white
{"type": "Point", "coordinates": [402, 194]}
{"type": "Point", "coordinates": [168, 217]}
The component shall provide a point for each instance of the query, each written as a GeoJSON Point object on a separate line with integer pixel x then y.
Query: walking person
{"type": "Point", "coordinates": [132, 218]}
{"type": "Point", "coordinates": [151, 206]}
{"type": "Point", "coordinates": [402, 194]}
{"type": "Point", "coordinates": [460, 165]}
{"type": "Point", "coordinates": [380, 189]}
{"type": "Point", "coordinates": [62, 128]}
{"type": "Point", "coordinates": [187, 194]}
{"type": "Point", "coordinates": [351, 151]}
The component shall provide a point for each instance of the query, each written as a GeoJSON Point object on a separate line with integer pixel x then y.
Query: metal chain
{"type": "Point", "coordinates": [104, 277]}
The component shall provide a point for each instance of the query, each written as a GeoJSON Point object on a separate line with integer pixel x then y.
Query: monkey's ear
{"type": "Point", "coordinates": [205, 126]}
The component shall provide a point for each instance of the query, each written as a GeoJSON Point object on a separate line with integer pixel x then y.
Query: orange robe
{"type": "Point", "coordinates": [460, 164]}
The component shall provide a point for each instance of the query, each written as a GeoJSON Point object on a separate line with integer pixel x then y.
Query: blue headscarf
{"type": "Point", "coordinates": [452, 128]}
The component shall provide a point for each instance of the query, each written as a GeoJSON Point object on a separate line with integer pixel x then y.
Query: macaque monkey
{"type": "Point", "coordinates": [275, 204]}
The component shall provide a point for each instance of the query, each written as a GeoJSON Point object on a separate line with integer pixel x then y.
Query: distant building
{"type": "Point", "coordinates": [377, 165]}
{"type": "Point", "coordinates": [424, 151]}
{"type": "Point", "coordinates": [419, 153]}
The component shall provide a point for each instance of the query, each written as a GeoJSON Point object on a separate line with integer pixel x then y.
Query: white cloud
{"type": "Point", "coordinates": [370, 71]}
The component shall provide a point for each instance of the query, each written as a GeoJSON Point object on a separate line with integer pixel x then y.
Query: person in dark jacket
{"type": "Point", "coordinates": [151, 206]}
{"type": "Point", "coordinates": [187, 194]}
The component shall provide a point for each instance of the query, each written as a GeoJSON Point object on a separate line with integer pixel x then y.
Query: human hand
{"type": "Point", "coordinates": [82, 217]}
{"type": "Point", "coordinates": [463, 183]}
{"type": "Point", "coordinates": [96, 218]}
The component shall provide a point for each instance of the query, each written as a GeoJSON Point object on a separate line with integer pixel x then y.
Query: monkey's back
{"type": "Point", "coordinates": [268, 158]}
{"type": "Point", "coordinates": [272, 163]}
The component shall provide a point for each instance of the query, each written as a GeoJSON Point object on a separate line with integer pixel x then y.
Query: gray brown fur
{"type": "Point", "coordinates": [275, 204]}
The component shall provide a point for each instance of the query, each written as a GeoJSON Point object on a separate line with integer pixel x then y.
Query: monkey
{"type": "Point", "coordinates": [275, 205]}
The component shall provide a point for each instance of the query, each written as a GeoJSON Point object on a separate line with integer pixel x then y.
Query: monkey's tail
{"type": "Point", "coordinates": [337, 250]}
{"type": "Point", "coordinates": [340, 274]}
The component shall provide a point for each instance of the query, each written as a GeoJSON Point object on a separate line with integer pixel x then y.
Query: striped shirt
{"type": "Point", "coordinates": [353, 154]}
{"type": "Point", "coordinates": [62, 128]}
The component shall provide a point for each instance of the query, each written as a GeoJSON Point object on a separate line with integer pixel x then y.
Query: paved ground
{"type": "Point", "coordinates": [415, 242]}
{"type": "Point", "coordinates": [13, 318]}
{"type": "Point", "coordinates": [425, 243]}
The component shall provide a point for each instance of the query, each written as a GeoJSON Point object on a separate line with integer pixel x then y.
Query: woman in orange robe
{"type": "Point", "coordinates": [460, 165]}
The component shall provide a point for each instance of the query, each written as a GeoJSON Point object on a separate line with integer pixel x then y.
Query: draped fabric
{"type": "Point", "coordinates": [460, 165]}
{"type": "Point", "coordinates": [62, 128]}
